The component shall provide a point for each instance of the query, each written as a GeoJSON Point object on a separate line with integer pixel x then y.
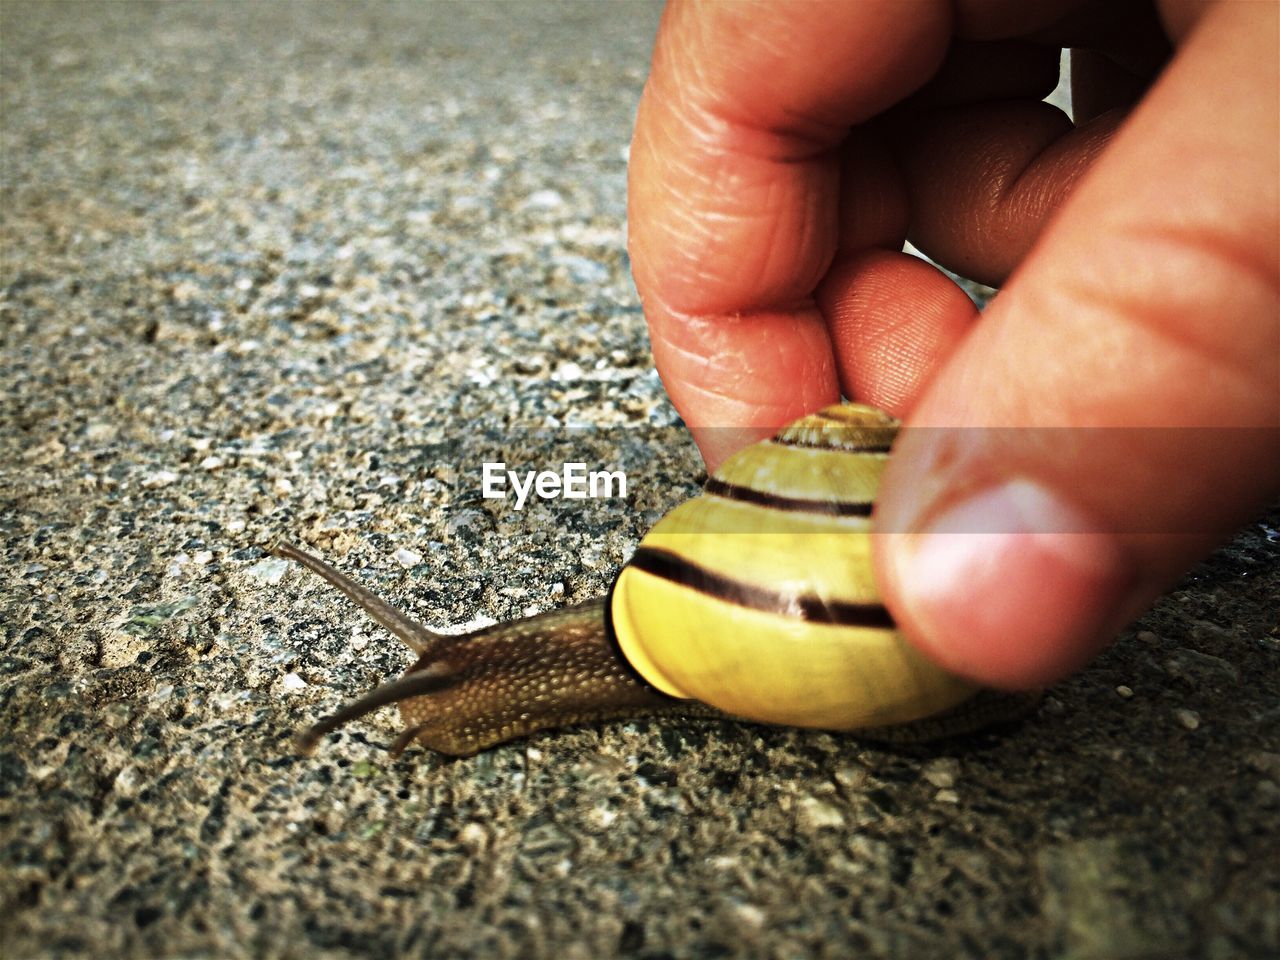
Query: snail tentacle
{"type": "Point", "coordinates": [418, 683]}
{"type": "Point", "coordinates": [416, 636]}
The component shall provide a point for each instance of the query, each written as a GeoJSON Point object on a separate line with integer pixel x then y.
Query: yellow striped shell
{"type": "Point", "coordinates": [758, 598]}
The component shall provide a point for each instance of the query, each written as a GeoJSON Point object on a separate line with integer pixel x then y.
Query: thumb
{"type": "Point", "coordinates": [1116, 412]}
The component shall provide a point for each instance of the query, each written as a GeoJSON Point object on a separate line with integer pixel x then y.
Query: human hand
{"type": "Point", "coordinates": [784, 151]}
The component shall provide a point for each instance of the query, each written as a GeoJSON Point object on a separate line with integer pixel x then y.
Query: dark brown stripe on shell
{"type": "Point", "coordinates": [805, 606]}
{"type": "Point", "coordinates": [827, 440]}
{"type": "Point", "coordinates": [833, 508]}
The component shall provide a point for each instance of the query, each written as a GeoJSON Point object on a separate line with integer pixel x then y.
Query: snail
{"type": "Point", "coordinates": [754, 601]}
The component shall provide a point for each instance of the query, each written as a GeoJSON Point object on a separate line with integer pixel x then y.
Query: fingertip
{"type": "Point", "coordinates": [894, 320]}
{"type": "Point", "coordinates": [1012, 587]}
{"type": "Point", "coordinates": [737, 379]}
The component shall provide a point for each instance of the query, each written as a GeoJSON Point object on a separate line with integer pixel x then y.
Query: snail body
{"type": "Point", "coordinates": [754, 600]}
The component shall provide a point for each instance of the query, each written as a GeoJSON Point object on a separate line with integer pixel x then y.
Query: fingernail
{"type": "Point", "coordinates": [1012, 587]}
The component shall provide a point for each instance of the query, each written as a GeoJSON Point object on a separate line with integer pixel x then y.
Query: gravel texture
{"type": "Point", "coordinates": [286, 268]}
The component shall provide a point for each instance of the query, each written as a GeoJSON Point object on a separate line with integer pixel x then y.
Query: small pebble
{"type": "Point", "coordinates": [202, 557]}
{"type": "Point", "coordinates": [407, 558]}
{"type": "Point", "coordinates": [127, 782]}
{"type": "Point", "coordinates": [268, 571]}
{"type": "Point", "coordinates": [750, 916]}
{"type": "Point", "coordinates": [1146, 636]}
{"type": "Point", "coordinates": [283, 485]}
{"type": "Point", "coordinates": [602, 817]}
{"type": "Point", "coordinates": [567, 371]}
{"type": "Point", "coordinates": [942, 772]}
{"type": "Point", "coordinates": [291, 681]}
{"type": "Point", "coordinates": [1124, 691]}
{"type": "Point", "coordinates": [473, 835]}
{"type": "Point", "coordinates": [946, 796]}
{"type": "Point", "coordinates": [1188, 718]}
{"type": "Point", "coordinates": [161, 478]}
{"type": "Point", "coordinates": [211, 463]}
{"type": "Point", "coordinates": [543, 200]}
{"type": "Point", "coordinates": [851, 778]}
{"type": "Point", "coordinates": [819, 814]}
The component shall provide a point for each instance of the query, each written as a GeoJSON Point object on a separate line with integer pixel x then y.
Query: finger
{"type": "Point", "coordinates": [733, 191]}
{"type": "Point", "coordinates": [1145, 324]}
{"type": "Point", "coordinates": [983, 179]}
{"type": "Point", "coordinates": [894, 319]}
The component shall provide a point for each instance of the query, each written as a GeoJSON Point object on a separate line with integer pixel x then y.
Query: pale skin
{"type": "Point", "coordinates": [783, 152]}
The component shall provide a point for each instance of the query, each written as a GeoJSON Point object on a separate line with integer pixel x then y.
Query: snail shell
{"type": "Point", "coordinates": [754, 600]}
{"type": "Point", "coordinates": [758, 596]}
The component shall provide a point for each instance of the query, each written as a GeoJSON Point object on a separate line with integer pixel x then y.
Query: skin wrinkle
{"type": "Point", "coordinates": [720, 358]}
{"type": "Point", "coordinates": [700, 358]}
{"type": "Point", "coordinates": [805, 139]}
{"type": "Point", "coordinates": [708, 232]}
{"type": "Point", "coordinates": [727, 388]}
{"type": "Point", "coordinates": [818, 229]}
{"type": "Point", "coordinates": [878, 335]}
{"type": "Point", "coordinates": [1030, 196]}
{"type": "Point", "coordinates": [817, 233]}
{"type": "Point", "coordinates": [1247, 260]}
{"type": "Point", "coordinates": [1156, 307]}
{"type": "Point", "coordinates": [682, 94]}
{"type": "Point", "coordinates": [1128, 358]}
{"type": "Point", "coordinates": [757, 412]}
{"type": "Point", "coordinates": [1010, 186]}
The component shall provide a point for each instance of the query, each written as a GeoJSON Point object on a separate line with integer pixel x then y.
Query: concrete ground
{"type": "Point", "coordinates": [285, 268]}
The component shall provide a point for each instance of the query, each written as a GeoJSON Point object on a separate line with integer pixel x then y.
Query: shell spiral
{"type": "Point", "coordinates": [758, 596]}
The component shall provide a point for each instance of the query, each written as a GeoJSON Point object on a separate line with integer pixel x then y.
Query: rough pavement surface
{"type": "Point", "coordinates": [270, 268]}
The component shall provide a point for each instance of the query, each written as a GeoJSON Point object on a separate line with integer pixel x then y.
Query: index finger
{"type": "Point", "coordinates": [733, 193]}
